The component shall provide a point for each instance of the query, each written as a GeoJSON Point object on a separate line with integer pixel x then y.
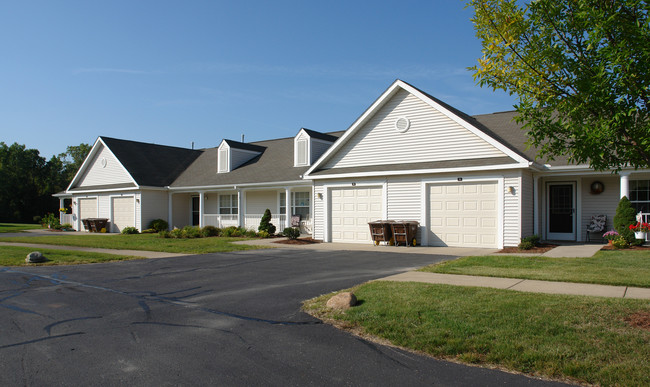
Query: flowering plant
{"type": "Point", "coordinates": [640, 227]}
{"type": "Point", "coordinates": [63, 209]}
{"type": "Point", "coordinates": [610, 235]}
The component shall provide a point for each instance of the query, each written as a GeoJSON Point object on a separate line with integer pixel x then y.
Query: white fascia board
{"type": "Point", "coordinates": [62, 195]}
{"type": "Point", "coordinates": [96, 191]}
{"type": "Point", "coordinates": [422, 171]}
{"type": "Point", "coordinates": [91, 155]}
{"type": "Point", "coordinates": [379, 102]}
{"type": "Point", "coordinates": [509, 152]}
{"type": "Point", "coordinates": [271, 185]}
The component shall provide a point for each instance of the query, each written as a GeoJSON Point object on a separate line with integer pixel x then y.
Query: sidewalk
{"type": "Point", "coordinates": [523, 285]}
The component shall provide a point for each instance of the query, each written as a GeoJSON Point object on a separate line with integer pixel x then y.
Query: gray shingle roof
{"type": "Point", "coordinates": [151, 164]}
{"type": "Point", "coordinates": [244, 146]}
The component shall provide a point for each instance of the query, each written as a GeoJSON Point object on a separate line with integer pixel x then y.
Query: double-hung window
{"type": "Point", "coordinates": [299, 204]}
{"type": "Point", "coordinates": [228, 204]}
{"type": "Point", "coordinates": [640, 195]}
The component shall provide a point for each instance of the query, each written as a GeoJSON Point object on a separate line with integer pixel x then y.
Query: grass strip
{"type": "Point", "coordinates": [15, 256]}
{"type": "Point", "coordinates": [150, 242]}
{"type": "Point", "coordinates": [18, 227]}
{"type": "Point", "coordinates": [585, 339]}
{"type": "Point", "coordinates": [614, 267]}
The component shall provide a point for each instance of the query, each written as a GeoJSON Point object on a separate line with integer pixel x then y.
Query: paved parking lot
{"type": "Point", "coordinates": [214, 319]}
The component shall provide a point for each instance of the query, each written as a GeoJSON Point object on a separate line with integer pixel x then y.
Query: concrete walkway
{"type": "Point", "coordinates": [135, 253]}
{"type": "Point", "coordinates": [523, 285]}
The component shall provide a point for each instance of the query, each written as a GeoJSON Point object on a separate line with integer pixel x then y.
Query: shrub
{"type": "Point", "coordinates": [66, 226]}
{"type": "Point", "coordinates": [50, 220]}
{"type": "Point", "coordinates": [529, 242]}
{"type": "Point", "coordinates": [159, 225]}
{"type": "Point", "coordinates": [191, 232]}
{"type": "Point", "coordinates": [164, 234]}
{"type": "Point", "coordinates": [625, 216]}
{"type": "Point", "coordinates": [37, 219]}
{"type": "Point", "coordinates": [265, 223]}
{"type": "Point", "coordinates": [263, 234]}
{"type": "Point", "coordinates": [176, 233]}
{"type": "Point", "coordinates": [150, 231]}
{"type": "Point", "coordinates": [233, 231]}
{"type": "Point", "coordinates": [619, 242]}
{"type": "Point", "coordinates": [210, 231]}
{"type": "Point", "coordinates": [130, 230]}
{"type": "Point", "coordinates": [250, 234]}
{"type": "Point", "coordinates": [291, 232]}
{"type": "Point", "coordinates": [103, 230]}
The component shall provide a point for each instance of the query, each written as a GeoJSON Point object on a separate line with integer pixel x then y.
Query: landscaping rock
{"type": "Point", "coordinates": [342, 301]}
{"type": "Point", "coordinates": [35, 257]}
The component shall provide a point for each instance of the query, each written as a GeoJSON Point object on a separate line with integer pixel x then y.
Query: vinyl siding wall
{"type": "Point", "coordinates": [154, 206]}
{"type": "Point", "coordinates": [319, 213]}
{"type": "Point", "coordinates": [512, 211]}
{"type": "Point", "coordinates": [378, 142]}
{"type": "Point", "coordinates": [181, 210]}
{"type": "Point", "coordinates": [258, 201]}
{"type": "Point", "coordinates": [404, 201]}
{"type": "Point", "coordinates": [112, 173]}
{"type": "Point", "coordinates": [527, 204]}
{"type": "Point", "coordinates": [603, 203]}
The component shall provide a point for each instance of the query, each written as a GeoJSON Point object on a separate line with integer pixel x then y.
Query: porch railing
{"type": "Point", "coordinates": [252, 221]}
{"type": "Point", "coordinates": [221, 220]}
{"type": "Point", "coordinates": [65, 218]}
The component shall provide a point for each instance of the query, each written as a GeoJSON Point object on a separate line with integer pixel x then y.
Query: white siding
{"type": "Point", "coordinates": [154, 206]}
{"type": "Point", "coordinates": [603, 203]}
{"type": "Point", "coordinates": [527, 204]}
{"type": "Point", "coordinates": [181, 210]}
{"type": "Point", "coordinates": [319, 213]}
{"type": "Point", "coordinates": [318, 147]}
{"type": "Point", "coordinates": [258, 201]}
{"type": "Point", "coordinates": [511, 211]}
{"type": "Point", "coordinates": [98, 174]}
{"type": "Point", "coordinates": [404, 202]}
{"type": "Point", "coordinates": [431, 137]}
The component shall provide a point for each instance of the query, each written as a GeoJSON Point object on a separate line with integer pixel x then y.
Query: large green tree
{"type": "Point", "coordinates": [580, 70]}
{"type": "Point", "coordinates": [72, 159]}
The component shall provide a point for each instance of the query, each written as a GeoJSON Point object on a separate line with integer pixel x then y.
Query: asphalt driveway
{"type": "Point", "coordinates": [214, 319]}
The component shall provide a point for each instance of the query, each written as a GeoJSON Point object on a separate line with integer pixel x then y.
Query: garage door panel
{"type": "Point", "coordinates": [87, 209]}
{"type": "Point", "coordinates": [463, 214]}
{"type": "Point", "coordinates": [123, 213]}
{"type": "Point", "coordinates": [360, 205]}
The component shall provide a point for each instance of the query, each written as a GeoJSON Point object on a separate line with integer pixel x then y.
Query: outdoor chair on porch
{"type": "Point", "coordinates": [295, 220]}
{"type": "Point", "coordinates": [597, 225]}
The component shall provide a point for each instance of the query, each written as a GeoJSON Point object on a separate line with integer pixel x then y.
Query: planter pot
{"type": "Point", "coordinates": [639, 235]}
{"type": "Point", "coordinates": [610, 242]}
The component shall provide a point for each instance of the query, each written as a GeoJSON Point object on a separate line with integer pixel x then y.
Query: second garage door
{"type": "Point", "coordinates": [351, 210]}
{"type": "Point", "coordinates": [123, 213]}
{"type": "Point", "coordinates": [463, 214]}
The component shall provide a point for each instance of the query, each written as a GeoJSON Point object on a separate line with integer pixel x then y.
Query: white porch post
{"type": "Point", "coordinates": [536, 205]}
{"type": "Point", "coordinates": [625, 184]}
{"type": "Point", "coordinates": [240, 207]}
{"type": "Point", "coordinates": [287, 206]}
{"type": "Point", "coordinates": [201, 208]}
{"type": "Point", "coordinates": [170, 211]}
{"type": "Point", "coordinates": [60, 206]}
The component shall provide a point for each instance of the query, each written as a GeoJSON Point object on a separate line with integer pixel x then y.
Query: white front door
{"type": "Point", "coordinates": [561, 211]}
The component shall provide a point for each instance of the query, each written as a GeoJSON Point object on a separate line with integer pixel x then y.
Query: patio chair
{"type": "Point", "coordinates": [295, 220]}
{"type": "Point", "coordinates": [597, 225]}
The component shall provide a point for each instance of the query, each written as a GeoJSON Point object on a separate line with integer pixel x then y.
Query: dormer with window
{"type": "Point", "coordinates": [232, 154]}
{"type": "Point", "coordinates": [309, 145]}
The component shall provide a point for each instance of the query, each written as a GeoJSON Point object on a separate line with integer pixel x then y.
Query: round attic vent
{"type": "Point", "coordinates": [402, 124]}
{"type": "Point", "coordinates": [103, 162]}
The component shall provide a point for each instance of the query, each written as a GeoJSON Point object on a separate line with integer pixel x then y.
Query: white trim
{"type": "Point", "coordinates": [170, 209]}
{"type": "Point", "coordinates": [561, 236]}
{"type": "Point", "coordinates": [267, 185]}
{"type": "Point", "coordinates": [91, 155]}
{"type": "Point", "coordinates": [223, 146]}
{"type": "Point", "coordinates": [374, 108]}
{"type": "Point", "coordinates": [625, 184]}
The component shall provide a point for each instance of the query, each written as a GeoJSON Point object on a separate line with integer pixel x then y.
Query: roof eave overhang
{"type": "Point", "coordinates": [271, 184]}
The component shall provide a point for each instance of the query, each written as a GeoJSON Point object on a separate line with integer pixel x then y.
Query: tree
{"type": "Point", "coordinates": [625, 216]}
{"type": "Point", "coordinates": [581, 71]}
{"type": "Point", "coordinates": [265, 223]}
{"type": "Point", "coordinates": [72, 160]}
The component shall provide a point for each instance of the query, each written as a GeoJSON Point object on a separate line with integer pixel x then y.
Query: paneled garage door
{"type": "Point", "coordinates": [87, 209]}
{"type": "Point", "coordinates": [463, 214]}
{"type": "Point", "coordinates": [123, 213]}
{"type": "Point", "coordinates": [351, 210]}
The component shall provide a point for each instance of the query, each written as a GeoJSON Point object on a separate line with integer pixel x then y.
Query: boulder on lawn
{"type": "Point", "coordinates": [35, 257]}
{"type": "Point", "coordinates": [342, 301]}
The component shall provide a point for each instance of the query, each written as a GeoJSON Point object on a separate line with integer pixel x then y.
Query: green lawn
{"type": "Point", "coordinates": [149, 242]}
{"type": "Point", "coordinates": [611, 267]}
{"type": "Point", "coordinates": [586, 339]}
{"type": "Point", "coordinates": [17, 227]}
{"type": "Point", "coordinates": [15, 256]}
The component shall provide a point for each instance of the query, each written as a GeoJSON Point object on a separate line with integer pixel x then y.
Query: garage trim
{"type": "Point", "coordinates": [327, 232]}
{"type": "Point", "coordinates": [425, 201]}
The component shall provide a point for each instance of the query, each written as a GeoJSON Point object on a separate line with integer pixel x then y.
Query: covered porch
{"type": "Point", "coordinates": [243, 207]}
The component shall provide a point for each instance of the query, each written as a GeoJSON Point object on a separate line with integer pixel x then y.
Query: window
{"type": "Point", "coordinates": [299, 204]}
{"type": "Point", "coordinates": [302, 152]}
{"type": "Point", "coordinates": [196, 211]}
{"type": "Point", "coordinates": [223, 160]}
{"type": "Point", "coordinates": [640, 195]}
{"type": "Point", "coordinates": [228, 204]}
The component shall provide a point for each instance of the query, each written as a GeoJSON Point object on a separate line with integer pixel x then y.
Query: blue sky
{"type": "Point", "coordinates": [177, 72]}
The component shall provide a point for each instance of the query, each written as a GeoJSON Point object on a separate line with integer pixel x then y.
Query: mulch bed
{"type": "Point", "coordinates": [542, 248]}
{"type": "Point", "coordinates": [610, 247]}
{"type": "Point", "coordinates": [299, 241]}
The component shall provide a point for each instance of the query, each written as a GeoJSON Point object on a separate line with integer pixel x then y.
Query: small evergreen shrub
{"type": "Point", "coordinates": [130, 230]}
{"type": "Point", "coordinates": [149, 231]}
{"type": "Point", "coordinates": [529, 242]}
{"type": "Point", "coordinates": [250, 234]}
{"type": "Point", "coordinates": [291, 232]}
{"type": "Point", "coordinates": [164, 234]}
{"type": "Point", "coordinates": [159, 225]}
{"type": "Point", "coordinates": [176, 233]}
{"type": "Point", "coordinates": [625, 216]}
{"type": "Point", "coordinates": [263, 234]}
{"type": "Point", "coordinates": [191, 232]}
{"type": "Point", "coordinates": [210, 231]}
{"type": "Point", "coordinates": [265, 223]}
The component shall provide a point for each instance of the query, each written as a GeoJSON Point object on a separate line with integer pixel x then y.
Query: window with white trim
{"type": "Point", "coordinates": [228, 204]}
{"type": "Point", "coordinates": [299, 204]}
{"type": "Point", "coordinates": [283, 203]}
{"type": "Point", "coordinates": [640, 195]}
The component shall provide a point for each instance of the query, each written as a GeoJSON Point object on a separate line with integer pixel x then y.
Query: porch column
{"type": "Point", "coordinates": [536, 205]}
{"type": "Point", "coordinates": [287, 206]}
{"type": "Point", "coordinates": [201, 208]}
{"type": "Point", "coordinates": [170, 211]}
{"type": "Point", "coordinates": [61, 204]}
{"type": "Point", "coordinates": [240, 208]}
{"type": "Point", "coordinates": [625, 184]}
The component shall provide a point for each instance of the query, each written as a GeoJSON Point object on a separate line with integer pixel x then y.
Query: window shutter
{"type": "Point", "coordinates": [302, 152]}
{"type": "Point", "coordinates": [223, 160]}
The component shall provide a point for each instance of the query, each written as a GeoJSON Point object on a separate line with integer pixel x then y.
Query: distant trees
{"type": "Point", "coordinates": [27, 180]}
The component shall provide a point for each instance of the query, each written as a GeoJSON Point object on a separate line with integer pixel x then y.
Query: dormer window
{"type": "Point", "coordinates": [232, 154]}
{"type": "Point", "coordinates": [301, 149]}
{"type": "Point", "coordinates": [309, 145]}
{"type": "Point", "coordinates": [224, 159]}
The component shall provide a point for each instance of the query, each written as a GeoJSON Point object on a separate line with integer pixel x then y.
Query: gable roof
{"type": "Point", "coordinates": [244, 146]}
{"type": "Point", "coordinates": [319, 135]}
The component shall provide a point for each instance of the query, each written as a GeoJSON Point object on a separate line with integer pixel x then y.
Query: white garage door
{"type": "Point", "coordinates": [463, 214]}
{"type": "Point", "coordinates": [351, 210]}
{"type": "Point", "coordinates": [87, 208]}
{"type": "Point", "coordinates": [123, 213]}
